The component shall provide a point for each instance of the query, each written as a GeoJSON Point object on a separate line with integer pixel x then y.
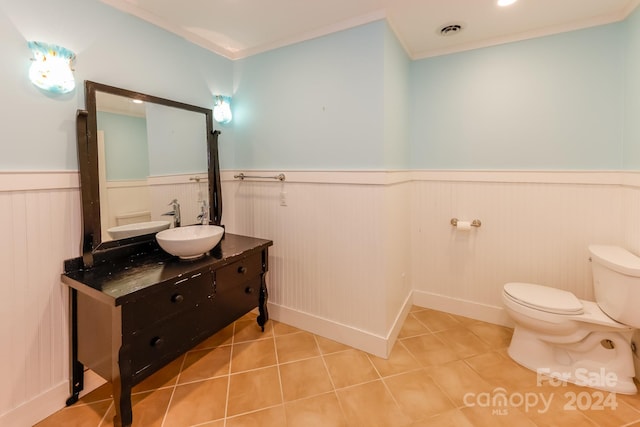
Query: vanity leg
{"type": "Point", "coordinates": [262, 303]}
{"type": "Point", "coordinates": [122, 391]}
{"type": "Point", "coordinates": [77, 368]}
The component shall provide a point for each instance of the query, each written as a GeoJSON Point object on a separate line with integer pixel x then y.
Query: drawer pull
{"type": "Point", "coordinates": [242, 269]}
{"type": "Point", "coordinates": [248, 290]}
{"type": "Point", "coordinates": [157, 342]}
{"type": "Point", "coordinates": [177, 298]}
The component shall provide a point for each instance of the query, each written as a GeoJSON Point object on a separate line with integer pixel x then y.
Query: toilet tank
{"type": "Point", "coordinates": [616, 283]}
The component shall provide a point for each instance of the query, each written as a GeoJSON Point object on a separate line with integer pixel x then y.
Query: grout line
{"type": "Point", "coordinates": [226, 399]}
{"type": "Point", "coordinates": [275, 349]}
{"type": "Point", "coordinates": [333, 385]}
{"type": "Point", "coordinates": [173, 391]}
{"type": "Point", "coordinates": [104, 417]}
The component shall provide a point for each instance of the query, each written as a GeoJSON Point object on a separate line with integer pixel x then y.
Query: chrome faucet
{"type": "Point", "coordinates": [203, 218]}
{"type": "Point", "coordinates": [175, 213]}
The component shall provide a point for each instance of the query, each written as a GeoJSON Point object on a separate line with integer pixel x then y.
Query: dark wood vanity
{"type": "Point", "coordinates": [137, 311]}
{"type": "Point", "coordinates": [134, 307]}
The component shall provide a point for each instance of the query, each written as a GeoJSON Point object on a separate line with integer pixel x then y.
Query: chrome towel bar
{"type": "Point", "coordinates": [242, 176]}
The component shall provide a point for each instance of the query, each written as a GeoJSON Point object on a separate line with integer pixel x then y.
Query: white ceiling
{"type": "Point", "coordinates": [240, 28]}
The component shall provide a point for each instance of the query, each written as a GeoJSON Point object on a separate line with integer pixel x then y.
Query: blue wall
{"type": "Point", "coordinates": [555, 102]}
{"type": "Point", "coordinates": [126, 149]}
{"type": "Point", "coordinates": [349, 100]}
{"type": "Point", "coordinates": [112, 48]}
{"type": "Point", "coordinates": [631, 158]}
{"type": "Point", "coordinates": [313, 105]}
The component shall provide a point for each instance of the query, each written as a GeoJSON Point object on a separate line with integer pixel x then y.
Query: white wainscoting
{"type": "Point", "coordinates": [339, 265]}
{"type": "Point", "coordinates": [352, 251]}
{"type": "Point", "coordinates": [536, 227]}
{"type": "Point", "coordinates": [40, 227]}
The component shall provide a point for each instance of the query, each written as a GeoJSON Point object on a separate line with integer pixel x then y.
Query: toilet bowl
{"type": "Point", "coordinates": [583, 342]}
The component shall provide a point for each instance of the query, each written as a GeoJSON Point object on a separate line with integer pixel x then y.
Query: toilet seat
{"type": "Point", "coordinates": [544, 298]}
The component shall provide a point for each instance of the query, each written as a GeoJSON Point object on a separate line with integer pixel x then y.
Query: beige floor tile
{"type": "Point", "coordinates": [458, 380]}
{"type": "Point", "coordinates": [222, 337]}
{"type": "Point", "coordinates": [429, 350]}
{"type": "Point", "coordinates": [350, 367]}
{"type": "Point", "coordinates": [269, 417]}
{"type": "Point", "coordinates": [425, 381]}
{"type": "Point", "coordinates": [622, 414]}
{"type": "Point", "coordinates": [436, 321]}
{"type": "Point", "coordinates": [254, 390]}
{"type": "Point", "coordinates": [253, 355]}
{"type": "Point", "coordinates": [291, 347]}
{"type": "Point", "coordinates": [483, 416]}
{"type": "Point", "coordinates": [463, 342]}
{"type": "Point", "coordinates": [165, 377]}
{"type": "Point", "coordinates": [462, 319]}
{"type": "Point", "coordinates": [304, 378]}
{"type": "Point", "coordinates": [205, 364]}
{"type": "Point", "coordinates": [371, 405]}
{"type": "Point", "coordinates": [104, 392]}
{"type": "Point", "coordinates": [400, 361]}
{"type": "Point", "coordinates": [148, 408]}
{"type": "Point", "coordinates": [197, 402]}
{"type": "Point", "coordinates": [248, 330]}
{"type": "Point", "coordinates": [284, 329]}
{"type": "Point", "coordinates": [318, 411]}
{"type": "Point", "coordinates": [495, 336]}
{"type": "Point", "coordinates": [78, 415]}
{"type": "Point", "coordinates": [217, 423]}
{"type": "Point", "coordinates": [453, 418]}
{"type": "Point", "coordinates": [412, 327]}
{"type": "Point", "coordinates": [502, 371]}
{"type": "Point", "coordinates": [327, 346]}
{"type": "Point", "coordinates": [417, 395]}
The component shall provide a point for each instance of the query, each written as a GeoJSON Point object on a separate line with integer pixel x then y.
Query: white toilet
{"type": "Point", "coordinates": [582, 342]}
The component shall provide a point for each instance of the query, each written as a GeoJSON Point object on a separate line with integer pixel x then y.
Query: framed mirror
{"type": "Point", "coordinates": [137, 154]}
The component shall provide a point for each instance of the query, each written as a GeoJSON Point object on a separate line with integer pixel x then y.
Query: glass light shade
{"type": "Point", "coordinates": [51, 68]}
{"type": "Point", "coordinates": [222, 109]}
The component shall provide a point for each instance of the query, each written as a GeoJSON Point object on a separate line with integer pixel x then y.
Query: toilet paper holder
{"type": "Point", "coordinates": [474, 223]}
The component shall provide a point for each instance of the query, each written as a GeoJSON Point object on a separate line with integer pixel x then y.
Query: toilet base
{"type": "Point", "coordinates": [586, 363]}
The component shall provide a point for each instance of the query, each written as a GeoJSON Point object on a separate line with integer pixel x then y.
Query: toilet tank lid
{"type": "Point", "coordinates": [616, 258]}
{"type": "Point", "coordinates": [545, 298]}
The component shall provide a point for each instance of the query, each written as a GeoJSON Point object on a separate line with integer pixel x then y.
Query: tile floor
{"type": "Point", "coordinates": [444, 370]}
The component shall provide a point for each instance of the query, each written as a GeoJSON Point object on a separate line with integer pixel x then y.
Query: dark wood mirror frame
{"type": "Point", "coordinates": [86, 128]}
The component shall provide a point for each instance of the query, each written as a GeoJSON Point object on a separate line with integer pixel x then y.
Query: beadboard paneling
{"type": "Point", "coordinates": [40, 229]}
{"type": "Point", "coordinates": [531, 232]}
{"type": "Point", "coordinates": [350, 247]}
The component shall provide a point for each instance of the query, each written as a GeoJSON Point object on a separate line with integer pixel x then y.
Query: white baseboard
{"type": "Point", "coordinates": [49, 402]}
{"type": "Point", "coordinates": [354, 337]}
{"type": "Point", "coordinates": [38, 408]}
{"type": "Point", "coordinates": [398, 322]}
{"type": "Point", "coordinates": [462, 307]}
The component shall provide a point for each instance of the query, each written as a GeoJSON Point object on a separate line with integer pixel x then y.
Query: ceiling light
{"type": "Point", "coordinates": [506, 2]}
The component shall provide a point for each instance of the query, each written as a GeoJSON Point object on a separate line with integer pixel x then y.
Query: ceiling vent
{"type": "Point", "coordinates": [450, 30]}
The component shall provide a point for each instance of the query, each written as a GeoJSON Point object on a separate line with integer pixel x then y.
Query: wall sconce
{"type": "Point", "coordinates": [51, 68]}
{"type": "Point", "coordinates": [222, 109]}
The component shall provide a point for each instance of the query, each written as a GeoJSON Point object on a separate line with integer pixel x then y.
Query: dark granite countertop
{"type": "Point", "coordinates": [117, 280]}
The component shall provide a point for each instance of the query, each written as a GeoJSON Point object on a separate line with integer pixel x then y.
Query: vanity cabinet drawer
{"type": "Point", "coordinates": [239, 272]}
{"type": "Point", "coordinates": [160, 343]}
{"type": "Point", "coordinates": [172, 298]}
{"type": "Point", "coordinates": [237, 301]}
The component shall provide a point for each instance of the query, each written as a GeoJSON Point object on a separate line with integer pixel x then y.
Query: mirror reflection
{"type": "Point", "coordinates": [148, 156]}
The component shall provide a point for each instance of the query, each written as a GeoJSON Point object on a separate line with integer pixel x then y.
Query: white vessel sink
{"type": "Point", "coordinates": [137, 229]}
{"type": "Point", "coordinates": [190, 242]}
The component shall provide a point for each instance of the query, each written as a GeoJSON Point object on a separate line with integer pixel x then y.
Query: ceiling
{"type": "Point", "coordinates": [241, 28]}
